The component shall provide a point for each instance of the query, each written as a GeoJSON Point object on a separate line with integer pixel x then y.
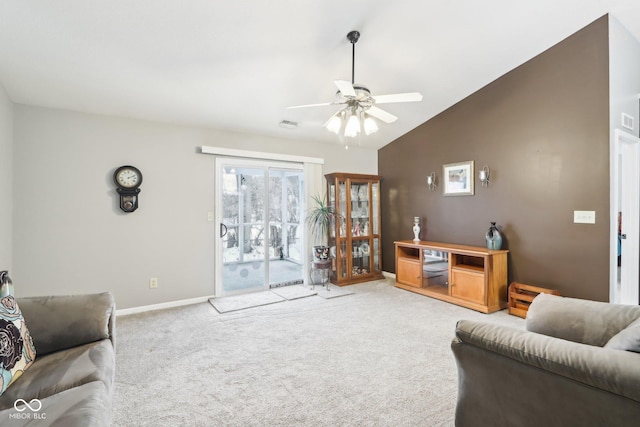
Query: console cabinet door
{"type": "Point", "coordinates": [409, 272]}
{"type": "Point", "coordinates": [468, 285]}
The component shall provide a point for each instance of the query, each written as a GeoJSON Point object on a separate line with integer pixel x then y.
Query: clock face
{"type": "Point", "coordinates": [127, 177]}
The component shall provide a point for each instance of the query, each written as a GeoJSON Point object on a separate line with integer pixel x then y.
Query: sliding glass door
{"type": "Point", "coordinates": [260, 216]}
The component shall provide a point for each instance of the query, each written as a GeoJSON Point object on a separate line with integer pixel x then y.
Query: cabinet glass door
{"type": "Point", "coordinates": [342, 208]}
{"type": "Point", "coordinates": [332, 208]}
{"type": "Point", "coordinates": [342, 260]}
{"type": "Point", "coordinates": [375, 225]}
{"type": "Point", "coordinates": [375, 204]}
{"type": "Point", "coordinates": [360, 223]}
{"type": "Point", "coordinates": [331, 200]}
{"type": "Point", "coordinates": [375, 251]}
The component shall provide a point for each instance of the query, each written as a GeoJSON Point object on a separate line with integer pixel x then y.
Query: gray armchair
{"type": "Point", "coordinates": [567, 368]}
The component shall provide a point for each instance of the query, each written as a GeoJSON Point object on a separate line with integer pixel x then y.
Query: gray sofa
{"type": "Point", "coordinates": [74, 370]}
{"type": "Point", "coordinates": [568, 368]}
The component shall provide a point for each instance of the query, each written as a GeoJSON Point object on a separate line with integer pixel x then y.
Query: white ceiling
{"type": "Point", "coordinates": [236, 65]}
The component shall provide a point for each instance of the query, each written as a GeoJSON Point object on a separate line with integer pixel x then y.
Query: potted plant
{"type": "Point", "coordinates": [319, 220]}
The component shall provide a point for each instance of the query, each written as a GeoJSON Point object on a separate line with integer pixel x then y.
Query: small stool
{"type": "Point", "coordinates": [321, 268]}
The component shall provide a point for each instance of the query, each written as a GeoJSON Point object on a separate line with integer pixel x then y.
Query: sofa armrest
{"type": "Point", "coordinates": [582, 321]}
{"type": "Point", "coordinates": [61, 322]}
{"type": "Point", "coordinates": [614, 371]}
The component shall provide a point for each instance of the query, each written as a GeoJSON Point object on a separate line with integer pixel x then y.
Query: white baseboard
{"type": "Point", "coordinates": [179, 303]}
{"type": "Point", "coordinates": [161, 306]}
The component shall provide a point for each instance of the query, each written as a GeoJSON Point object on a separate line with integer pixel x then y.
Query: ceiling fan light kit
{"type": "Point", "coordinates": [358, 111]}
{"type": "Point", "coordinates": [370, 126]}
{"type": "Point", "coordinates": [334, 124]}
{"type": "Point", "coordinates": [352, 128]}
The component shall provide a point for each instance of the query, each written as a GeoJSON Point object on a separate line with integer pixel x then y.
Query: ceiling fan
{"type": "Point", "coordinates": [359, 106]}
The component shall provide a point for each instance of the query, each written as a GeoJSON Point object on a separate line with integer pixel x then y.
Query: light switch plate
{"type": "Point", "coordinates": [584, 217]}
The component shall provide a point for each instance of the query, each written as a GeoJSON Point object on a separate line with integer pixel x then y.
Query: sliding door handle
{"type": "Point", "coordinates": [223, 230]}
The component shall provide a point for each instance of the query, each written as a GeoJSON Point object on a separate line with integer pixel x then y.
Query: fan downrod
{"type": "Point", "coordinates": [353, 37]}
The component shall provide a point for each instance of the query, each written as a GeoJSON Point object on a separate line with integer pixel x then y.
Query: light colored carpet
{"type": "Point", "coordinates": [241, 302]}
{"type": "Point", "coordinates": [380, 357]}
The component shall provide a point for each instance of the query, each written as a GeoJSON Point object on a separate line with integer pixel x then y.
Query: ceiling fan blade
{"type": "Point", "coordinates": [345, 87]}
{"type": "Point", "coordinates": [332, 116]}
{"type": "Point", "coordinates": [310, 105]}
{"type": "Point", "coordinates": [381, 114]}
{"type": "Point", "coordinates": [398, 97]}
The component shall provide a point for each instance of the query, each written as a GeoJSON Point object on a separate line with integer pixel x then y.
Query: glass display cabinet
{"type": "Point", "coordinates": [354, 236]}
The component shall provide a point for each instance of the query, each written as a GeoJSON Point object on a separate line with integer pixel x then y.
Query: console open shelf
{"type": "Point", "coordinates": [470, 276]}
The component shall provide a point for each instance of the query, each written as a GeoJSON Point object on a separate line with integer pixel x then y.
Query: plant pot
{"type": "Point", "coordinates": [320, 253]}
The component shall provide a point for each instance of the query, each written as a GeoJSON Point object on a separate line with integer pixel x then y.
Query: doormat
{"type": "Point", "coordinates": [241, 302]}
{"type": "Point", "coordinates": [294, 292]}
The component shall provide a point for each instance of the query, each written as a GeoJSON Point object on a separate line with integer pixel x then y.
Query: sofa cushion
{"type": "Point", "coordinates": [82, 406]}
{"type": "Point", "coordinates": [63, 370]}
{"type": "Point", "coordinates": [64, 321]}
{"type": "Point", "coordinates": [17, 351]}
{"type": "Point", "coordinates": [582, 321]}
{"type": "Point", "coordinates": [627, 339]}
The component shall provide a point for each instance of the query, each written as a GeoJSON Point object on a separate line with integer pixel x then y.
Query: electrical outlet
{"type": "Point", "coordinates": [153, 282]}
{"type": "Point", "coordinates": [210, 216]}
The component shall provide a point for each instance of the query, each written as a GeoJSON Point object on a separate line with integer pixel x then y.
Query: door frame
{"type": "Point", "coordinates": [314, 183]}
{"type": "Point", "coordinates": [220, 163]}
{"type": "Point", "coordinates": [623, 141]}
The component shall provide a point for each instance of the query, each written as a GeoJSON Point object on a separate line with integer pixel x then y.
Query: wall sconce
{"type": "Point", "coordinates": [484, 176]}
{"type": "Point", "coordinates": [431, 181]}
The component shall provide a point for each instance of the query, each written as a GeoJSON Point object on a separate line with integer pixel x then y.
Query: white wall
{"type": "Point", "coordinates": [624, 97]}
{"type": "Point", "coordinates": [624, 76]}
{"type": "Point", "coordinates": [69, 233]}
{"type": "Point", "coordinates": [6, 197]}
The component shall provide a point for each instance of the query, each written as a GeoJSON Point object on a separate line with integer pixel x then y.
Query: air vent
{"type": "Point", "coordinates": [627, 121]}
{"type": "Point", "coordinates": [288, 124]}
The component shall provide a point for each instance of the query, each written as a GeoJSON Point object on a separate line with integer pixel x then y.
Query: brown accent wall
{"type": "Point", "coordinates": [543, 129]}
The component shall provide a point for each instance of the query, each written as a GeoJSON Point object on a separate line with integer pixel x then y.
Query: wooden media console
{"type": "Point", "coordinates": [469, 276]}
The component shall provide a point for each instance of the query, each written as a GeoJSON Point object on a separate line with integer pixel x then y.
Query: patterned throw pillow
{"type": "Point", "coordinates": [17, 352]}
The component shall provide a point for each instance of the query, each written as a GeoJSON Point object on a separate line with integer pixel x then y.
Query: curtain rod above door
{"type": "Point", "coordinates": [231, 152]}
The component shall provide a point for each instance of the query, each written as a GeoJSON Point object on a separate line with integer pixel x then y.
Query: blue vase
{"type": "Point", "coordinates": [493, 237]}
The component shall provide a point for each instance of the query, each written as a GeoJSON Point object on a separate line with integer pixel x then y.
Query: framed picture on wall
{"type": "Point", "coordinates": [458, 179]}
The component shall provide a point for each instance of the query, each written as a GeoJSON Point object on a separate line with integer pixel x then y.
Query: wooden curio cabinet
{"type": "Point", "coordinates": [354, 237]}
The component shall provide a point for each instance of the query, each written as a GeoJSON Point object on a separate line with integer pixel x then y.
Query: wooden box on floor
{"type": "Point", "coordinates": [521, 295]}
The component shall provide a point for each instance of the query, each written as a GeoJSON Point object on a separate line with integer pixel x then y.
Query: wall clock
{"type": "Point", "coordinates": [128, 179]}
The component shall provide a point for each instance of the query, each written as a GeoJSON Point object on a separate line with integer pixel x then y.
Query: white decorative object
{"type": "Point", "coordinates": [364, 249]}
{"type": "Point", "coordinates": [416, 229]}
{"type": "Point", "coordinates": [431, 181]}
{"type": "Point", "coordinates": [484, 176]}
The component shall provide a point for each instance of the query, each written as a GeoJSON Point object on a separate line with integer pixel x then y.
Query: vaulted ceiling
{"type": "Point", "coordinates": [236, 65]}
